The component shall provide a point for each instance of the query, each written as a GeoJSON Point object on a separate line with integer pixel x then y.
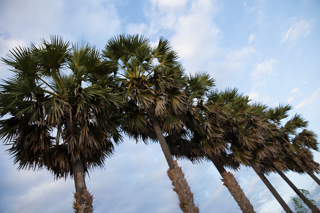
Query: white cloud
{"type": "Point", "coordinates": [297, 30]}
{"type": "Point", "coordinates": [229, 65]}
{"type": "Point", "coordinates": [136, 28]}
{"type": "Point", "coordinates": [164, 14]}
{"type": "Point", "coordinates": [258, 9]}
{"type": "Point", "coordinates": [254, 96]}
{"type": "Point", "coordinates": [94, 21]}
{"type": "Point", "coordinates": [263, 69]}
{"type": "Point", "coordinates": [196, 38]}
{"type": "Point", "coordinates": [306, 102]}
{"type": "Point", "coordinates": [169, 3]}
{"type": "Point", "coordinates": [251, 38]}
{"type": "Point", "coordinates": [195, 33]}
{"type": "Point", "coordinates": [290, 100]}
{"type": "Point", "coordinates": [295, 90]}
{"type": "Point", "coordinates": [262, 72]}
{"type": "Point", "coordinates": [7, 44]}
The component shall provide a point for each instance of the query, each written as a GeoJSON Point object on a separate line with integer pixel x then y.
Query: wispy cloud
{"type": "Point", "coordinates": [133, 28]}
{"type": "Point", "coordinates": [7, 44]}
{"type": "Point", "coordinates": [94, 21]}
{"type": "Point", "coordinates": [258, 8]}
{"type": "Point", "coordinates": [297, 29]}
{"type": "Point", "coordinates": [290, 100]}
{"type": "Point", "coordinates": [194, 34]}
{"type": "Point", "coordinates": [169, 3]}
{"type": "Point", "coordinates": [229, 65]}
{"type": "Point", "coordinates": [295, 90]}
{"type": "Point", "coordinates": [255, 96]}
{"type": "Point", "coordinates": [306, 102]}
{"type": "Point", "coordinates": [263, 70]}
{"type": "Point", "coordinates": [251, 38]}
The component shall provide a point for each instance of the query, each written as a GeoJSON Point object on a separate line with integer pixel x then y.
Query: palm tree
{"type": "Point", "coordinates": [151, 80]}
{"type": "Point", "coordinates": [205, 136]}
{"type": "Point", "coordinates": [244, 131]}
{"type": "Point", "coordinates": [293, 147]}
{"type": "Point", "coordinates": [242, 128]}
{"type": "Point", "coordinates": [62, 111]}
{"type": "Point", "coordinates": [308, 140]}
{"type": "Point", "coordinates": [276, 153]}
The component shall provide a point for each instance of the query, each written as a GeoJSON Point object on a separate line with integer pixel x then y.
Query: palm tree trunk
{"type": "Point", "coordinates": [175, 173]}
{"type": "Point", "coordinates": [232, 184]}
{"type": "Point", "coordinates": [314, 177]}
{"type": "Point", "coordinates": [270, 187]}
{"type": "Point", "coordinates": [181, 187]}
{"type": "Point", "coordinates": [83, 199]}
{"type": "Point", "coordinates": [313, 208]}
{"type": "Point", "coordinates": [162, 140]}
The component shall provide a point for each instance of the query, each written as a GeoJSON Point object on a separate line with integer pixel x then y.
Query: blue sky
{"type": "Point", "coordinates": [269, 50]}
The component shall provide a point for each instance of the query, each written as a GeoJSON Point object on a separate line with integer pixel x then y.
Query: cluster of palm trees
{"type": "Point", "coordinates": [68, 104]}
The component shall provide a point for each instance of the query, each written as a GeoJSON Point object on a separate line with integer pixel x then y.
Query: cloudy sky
{"type": "Point", "coordinates": [269, 50]}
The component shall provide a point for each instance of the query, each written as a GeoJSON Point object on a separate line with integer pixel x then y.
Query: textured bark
{"type": "Point", "coordinates": [231, 183]}
{"type": "Point", "coordinates": [175, 173]}
{"type": "Point", "coordinates": [234, 188]}
{"type": "Point", "coordinates": [182, 188]}
{"type": "Point", "coordinates": [162, 140]}
{"type": "Point", "coordinates": [270, 187]}
{"type": "Point", "coordinates": [86, 207]}
{"type": "Point", "coordinates": [313, 208]}
{"type": "Point", "coordinates": [83, 199]}
{"type": "Point", "coordinates": [314, 177]}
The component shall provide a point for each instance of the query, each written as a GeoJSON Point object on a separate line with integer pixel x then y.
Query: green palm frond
{"type": "Point", "coordinates": [78, 52]}
{"type": "Point", "coordinates": [52, 55]}
{"type": "Point", "coordinates": [294, 123]}
{"type": "Point", "coordinates": [306, 138]}
{"type": "Point", "coordinates": [241, 155]}
{"type": "Point", "coordinates": [199, 85]}
{"type": "Point", "coordinates": [122, 47]}
{"type": "Point", "coordinates": [164, 53]}
{"type": "Point", "coordinates": [82, 105]}
{"type": "Point", "coordinates": [23, 62]}
{"type": "Point", "coordinates": [172, 123]}
{"type": "Point", "coordinates": [278, 113]}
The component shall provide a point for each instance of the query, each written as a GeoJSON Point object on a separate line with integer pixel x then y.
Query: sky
{"type": "Point", "coordinates": [269, 50]}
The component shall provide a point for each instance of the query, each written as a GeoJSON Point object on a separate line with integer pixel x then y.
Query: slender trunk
{"type": "Point", "coordinates": [79, 181]}
{"type": "Point", "coordinates": [83, 199]}
{"type": "Point", "coordinates": [314, 177]}
{"type": "Point", "coordinates": [313, 208]}
{"type": "Point", "coordinates": [162, 140]}
{"type": "Point", "coordinates": [270, 187]}
{"type": "Point", "coordinates": [232, 184]}
{"type": "Point", "coordinates": [175, 173]}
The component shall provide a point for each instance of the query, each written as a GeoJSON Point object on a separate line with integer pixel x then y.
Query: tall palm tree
{"type": "Point", "coordinates": [245, 130]}
{"type": "Point", "coordinates": [205, 137]}
{"type": "Point", "coordinates": [308, 140]}
{"type": "Point", "coordinates": [293, 147]}
{"type": "Point", "coordinates": [151, 82]}
{"type": "Point", "coordinates": [276, 153]}
{"type": "Point", "coordinates": [241, 129]}
{"type": "Point", "coordinates": [62, 111]}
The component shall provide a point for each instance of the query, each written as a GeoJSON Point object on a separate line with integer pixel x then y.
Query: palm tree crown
{"type": "Point", "coordinates": [62, 108]}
